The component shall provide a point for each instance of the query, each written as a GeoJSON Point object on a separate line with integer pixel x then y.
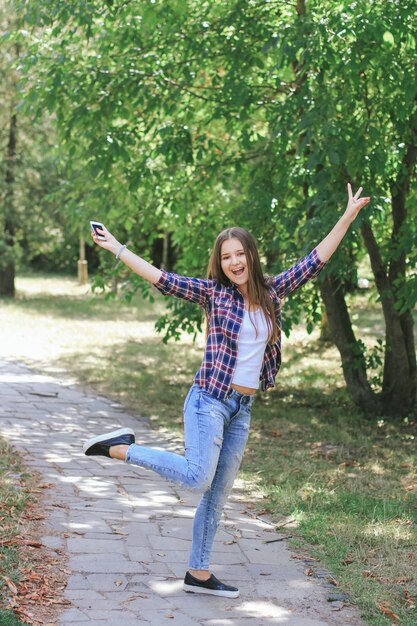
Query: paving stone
{"type": "Point", "coordinates": [146, 601]}
{"type": "Point", "coordinates": [168, 543]}
{"type": "Point", "coordinates": [77, 582]}
{"type": "Point", "coordinates": [107, 582]}
{"type": "Point", "coordinates": [263, 556]}
{"type": "Point", "coordinates": [73, 616]}
{"type": "Point", "coordinates": [52, 541]}
{"type": "Point", "coordinates": [127, 595]}
{"type": "Point", "coordinates": [118, 618]}
{"type": "Point", "coordinates": [157, 568]}
{"type": "Point", "coordinates": [102, 563]}
{"type": "Point", "coordinates": [164, 616]}
{"type": "Point", "coordinates": [171, 556]}
{"type": "Point", "coordinates": [82, 545]}
{"type": "Point", "coordinates": [337, 597]}
{"type": "Point", "coordinates": [121, 615]}
{"type": "Point", "coordinates": [85, 598]}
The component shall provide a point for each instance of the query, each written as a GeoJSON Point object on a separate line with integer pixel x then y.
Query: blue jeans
{"type": "Point", "coordinates": [215, 433]}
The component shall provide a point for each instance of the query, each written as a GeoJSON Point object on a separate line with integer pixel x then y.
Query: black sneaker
{"type": "Point", "coordinates": [212, 586]}
{"type": "Point", "coordinates": [99, 446]}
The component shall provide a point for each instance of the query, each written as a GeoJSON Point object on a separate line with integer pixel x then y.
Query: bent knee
{"type": "Point", "coordinates": [200, 481]}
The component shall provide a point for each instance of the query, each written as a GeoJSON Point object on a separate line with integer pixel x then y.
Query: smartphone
{"type": "Point", "coordinates": [94, 226]}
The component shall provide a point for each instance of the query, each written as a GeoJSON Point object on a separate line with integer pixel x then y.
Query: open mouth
{"type": "Point", "coordinates": [238, 272]}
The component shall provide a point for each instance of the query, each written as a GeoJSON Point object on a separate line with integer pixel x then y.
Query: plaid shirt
{"type": "Point", "coordinates": [225, 308]}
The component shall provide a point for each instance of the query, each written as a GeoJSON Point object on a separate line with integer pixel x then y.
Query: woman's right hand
{"type": "Point", "coordinates": [111, 242]}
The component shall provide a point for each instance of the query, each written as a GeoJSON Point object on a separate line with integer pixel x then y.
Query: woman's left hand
{"type": "Point", "coordinates": [355, 203]}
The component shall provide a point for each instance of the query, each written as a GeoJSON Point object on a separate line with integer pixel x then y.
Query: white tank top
{"type": "Point", "coordinates": [251, 349]}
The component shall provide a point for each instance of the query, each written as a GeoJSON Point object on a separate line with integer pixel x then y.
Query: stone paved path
{"type": "Point", "coordinates": [127, 531]}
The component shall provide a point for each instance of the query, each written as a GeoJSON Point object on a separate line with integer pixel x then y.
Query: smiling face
{"type": "Point", "coordinates": [233, 261]}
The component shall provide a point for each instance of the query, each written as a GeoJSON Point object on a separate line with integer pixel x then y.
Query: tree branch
{"type": "Point", "coordinates": [379, 269]}
{"type": "Point", "coordinates": [399, 192]}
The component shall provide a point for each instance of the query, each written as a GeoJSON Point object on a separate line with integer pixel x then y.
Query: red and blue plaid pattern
{"type": "Point", "coordinates": [225, 308]}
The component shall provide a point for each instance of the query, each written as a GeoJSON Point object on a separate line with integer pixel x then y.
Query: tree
{"type": "Point", "coordinates": [207, 113]}
{"type": "Point", "coordinates": [9, 148]}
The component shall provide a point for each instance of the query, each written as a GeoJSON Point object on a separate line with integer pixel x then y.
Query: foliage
{"type": "Point", "coordinates": [28, 204]}
{"type": "Point", "coordinates": [265, 126]}
{"type": "Point", "coordinates": [189, 116]}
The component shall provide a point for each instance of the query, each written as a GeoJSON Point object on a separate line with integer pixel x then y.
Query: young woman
{"type": "Point", "coordinates": [243, 310]}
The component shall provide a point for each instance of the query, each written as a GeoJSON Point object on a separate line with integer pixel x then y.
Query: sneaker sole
{"type": "Point", "coordinates": [212, 592]}
{"type": "Point", "coordinates": [114, 433]}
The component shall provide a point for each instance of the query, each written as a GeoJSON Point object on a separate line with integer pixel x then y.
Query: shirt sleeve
{"type": "Point", "coordinates": [304, 270]}
{"type": "Point", "coordinates": [193, 289]}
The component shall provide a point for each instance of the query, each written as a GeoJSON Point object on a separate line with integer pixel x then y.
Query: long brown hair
{"type": "Point", "coordinates": [257, 284]}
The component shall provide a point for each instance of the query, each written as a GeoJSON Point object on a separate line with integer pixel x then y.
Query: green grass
{"type": "Point", "coordinates": [351, 486]}
{"type": "Point", "coordinates": [350, 483]}
{"type": "Point", "coordinates": [13, 500]}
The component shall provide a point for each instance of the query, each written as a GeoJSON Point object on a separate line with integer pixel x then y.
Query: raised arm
{"type": "Point", "coordinates": [141, 267]}
{"type": "Point", "coordinates": [330, 243]}
{"type": "Point", "coordinates": [169, 284]}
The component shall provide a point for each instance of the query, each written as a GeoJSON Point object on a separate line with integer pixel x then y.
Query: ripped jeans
{"type": "Point", "coordinates": [215, 433]}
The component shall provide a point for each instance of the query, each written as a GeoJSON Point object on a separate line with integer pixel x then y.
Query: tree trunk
{"type": "Point", "coordinates": [325, 332]}
{"type": "Point", "coordinates": [165, 250]}
{"type": "Point", "coordinates": [399, 382]}
{"type": "Point", "coordinates": [400, 379]}
{"type": "Point", "coordinates": [82, 265]}
{"type": "Point", "coordinates": [353, 361]}
{"type": "Point", "coordinates": [7, 266]}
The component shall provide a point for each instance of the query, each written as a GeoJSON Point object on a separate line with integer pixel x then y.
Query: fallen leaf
{"type": "Point", "coordinates": [409, 599]}
{"type": "Point", "coordinates": [32, 543]}
{"type": "Point", "coordinates": [10, 585]}
{"type": "Point", "coordinates": [402, 579]}
{"type": "Point", "coordinates": [60, 601]}
{"type": "Point", "coordinates": [228, 543]}
{"type": "Point", "coordinates": [118, 583]}
{"type": "Point", "coordinates": [308, 571]}
{"type": "Point", "coordinates": [169, 615]}
{"type": "Point", "coordinates": [385, 610]}
{"type": "Point", "coordinates": [9, 542]}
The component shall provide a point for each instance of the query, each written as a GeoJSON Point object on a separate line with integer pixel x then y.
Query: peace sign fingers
{"type": "Point", "coordinates": [355, 202]}
{"type": "Point", "coordinates": [357, 194]}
